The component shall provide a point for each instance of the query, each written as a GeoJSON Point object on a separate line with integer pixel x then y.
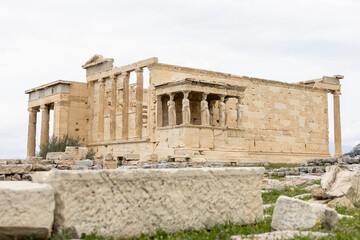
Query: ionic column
{"type": "Point", "coordinates": [159, 117]}
{"type": "Point", "coordinates": [337, 124]}
{"type": "Point", "coordinates": [222, 111]}
{"type": "Point", "coordinates": [171, 110]}
{"type": "Point", "coordinates": [186, 113]}
{"type": "Point", "coordinates": [125, 109]}
{"type": "Point", "coordinates": [239, 108]}
{"type": "Point", "coordinates": [113, 80]}
{"type": "Point", "coordinates": [44, 138]}
{"type": "Point", "coordinates": [139, 102]}
{"type": "Point", "coordinates": [205, 114]}
{"type": "Point", "coordinates": [31, 144]}
{"type": "Point", "coordinates": [101, 109]}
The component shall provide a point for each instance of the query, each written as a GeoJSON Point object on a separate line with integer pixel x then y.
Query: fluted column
{"type": "Point", "coordinates": [222, 111]}
{"type": "Point", "coordinates": [31, 144]}
{"type": "Point", "coordinates": [44, 138]}
{"type": "Point", "coordinates": [337, 124]}
{"type": "Point", "coordinates": [239, 109]}
{"type": "Point", "coordinates": [101, 109]}
{"type": "Point", "coordinates": [125, 109]}
{"type": "Point", "coordinates": [171, 110]}
{"type": "Point", "coordinates": [139, 102]}
{"type": "Point", "coordinates": [113, 80]}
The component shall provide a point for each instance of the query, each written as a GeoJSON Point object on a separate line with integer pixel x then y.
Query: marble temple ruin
{"type": "Point", "coordinates": [188, 112]}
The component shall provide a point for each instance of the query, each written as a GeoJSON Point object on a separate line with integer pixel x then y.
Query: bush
{"type": "Point", "coordinates": [58, 144]}
{"type": "Point", "coordinates": [90, 154]}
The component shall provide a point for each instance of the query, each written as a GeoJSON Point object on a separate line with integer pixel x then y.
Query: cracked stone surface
{"type": "Point", "coordinates": [126, 203]}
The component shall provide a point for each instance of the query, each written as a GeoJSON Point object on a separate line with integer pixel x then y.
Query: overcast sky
{"type": "Point", "coordinates": [285, 40]}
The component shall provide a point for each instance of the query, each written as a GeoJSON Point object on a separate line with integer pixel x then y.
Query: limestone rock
{"type": "Point", "coordinates": [342, 202]}
{"type": "Point", "coordinates": [27, 209]}
{"type": "Point", "coordinates": [125, 203]}
{"type": "Point", "coordinates": [292, 214]}
{"type": "Point", "coordinates": [15, 168]}
{"type": "Point", "coordinates": [312, 187]}
{"type": "Point", "coordinates": [287, 234]}
{"type": "Point", "coordinates": [86, 162]}
{"type": "Point", "coordinates": [342, 181]}
{"type": "Point", "coordinates": [319, 193]}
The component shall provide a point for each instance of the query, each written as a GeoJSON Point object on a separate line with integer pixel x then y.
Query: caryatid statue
{"type": "Point", "coordinates": [222, 110]}
{"type": "Point", "coordinates": [239, 109]}
{"type": "Point", "coordinates": [171, 110]}
{"type": "Point", "coordinates": [186, 108]}
{"type": "Point", "coordinates": [205, 114]}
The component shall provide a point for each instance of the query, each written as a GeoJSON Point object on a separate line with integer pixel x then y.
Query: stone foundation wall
{"type": "Point", "coordinates": [126, 203]}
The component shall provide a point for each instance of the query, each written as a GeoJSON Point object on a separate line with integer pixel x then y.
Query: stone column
{"type": "Point", "coordinates": [125, 109]}
{"type": "Point", "coordinates": [240, 109]}
{"type": "Point", "coordinates": [113, 80]}
{"type": "Point", "coordinates": [139, 102]}
{"type": "Point", "coordinates": [31, 144]}
{"type": "Point", "coordinates": [171, 110]}
{"type": "Point", "coordinates": [186, 113]}
{"type": "Point", "coordinates": [337, 124]}
{"type": "Point", "coordinates": [205, 114]}
{"type": "Point", "coordinates": [222, 111]}
{"type": "Point", "coordinates": [101, 109]}
{"type": "Point", "coordinates": [90, 111]}
{"type": "Point", "coordinates": [44, 138]}
{"type": "Point", "coordinates": [159, 108]}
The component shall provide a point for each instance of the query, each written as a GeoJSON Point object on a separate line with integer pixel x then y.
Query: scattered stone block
{"type": "Point", "coordinates": [27, 209]}
{"type": "Point", "coordinates": [319, 193]}
{"type": "Point", "coordinates": [132, 157]}
{"type": "Point", "coordinates": [284, 235]}
{"type": "Point", "coordinates": [33, 160]}
{"type": "Point", "coordinates": [341, 202]}
{"type": "Point", "coordinates": [3, 161]}
{"type": "Point", "coordinates": [126, 203]}
{"type": "Point", "coordinates": [41, 167]}
{"type": "Point", "coordinates": [152, 157]}
{"type": "Point", "coordinates": [293, 214]}
{"type": "Point", "coordinates": [86, 162]}
{"type": "Point", "coordinates": [312, 187]}
{"type": "Point", "coordinates": [15, 168]}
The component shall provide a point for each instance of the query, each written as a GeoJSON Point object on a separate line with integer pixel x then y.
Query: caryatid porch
{"type": "Point", "coordinates": [197, 108]}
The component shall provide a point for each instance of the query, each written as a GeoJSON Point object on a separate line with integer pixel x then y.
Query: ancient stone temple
{"type": "Point", "coordinates": [188, 112]}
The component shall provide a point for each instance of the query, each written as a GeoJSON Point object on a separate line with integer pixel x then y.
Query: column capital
{"type": "Point", "coordinates": [125, 74]}
{"type": "Point", "coordinates": [44, 107]}
{"type": "Point", "coordinates": [336, 93]}
{"type": "Point", "coordinates": [113, 77]}
{"type": "Point", "coordinates": [139, 70]}
{"type": "Point", "coordinates": [33, 110]}
{"type": "Point", "coordinates": [186, 93]}
{"type": "Point", "coordinates": [101, 80]}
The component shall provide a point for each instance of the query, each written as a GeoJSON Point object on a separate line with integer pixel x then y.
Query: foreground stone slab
{"type": "Point", "coordinates": [287, 234]}
{"type": "Point", "coordinates": [26, 209]}
{"type": "Point", "coordinates": [293, 214]}
{"type": "Point", "coordinates": [126, 203]}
